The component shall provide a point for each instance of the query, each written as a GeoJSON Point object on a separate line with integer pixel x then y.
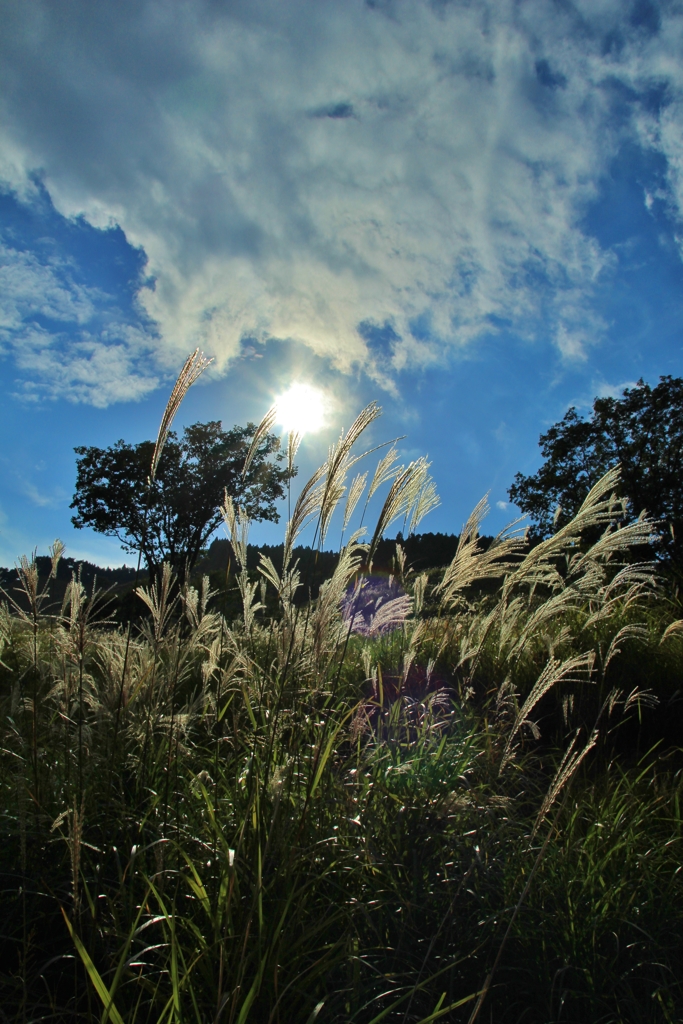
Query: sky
{"type": "Point", "coordinates": [468, 211]}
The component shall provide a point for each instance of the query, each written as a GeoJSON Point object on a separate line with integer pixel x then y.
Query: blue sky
{"type": "Point", "coordinates": [469, 211]}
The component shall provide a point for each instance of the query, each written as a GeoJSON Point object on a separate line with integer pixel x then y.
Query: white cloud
{"type": "Point", "coordinates": [502, 505]}
{"type": "Point", "coordinates": [606, 390]}
{"type": "Point", "coordinates": [97, 371]}
{"type": "Point", "coordinates": [293, 170]}
{"type": "Point", "coordinates": [82, 355]}
{"type": "Point", "coordinates": [30, 289]}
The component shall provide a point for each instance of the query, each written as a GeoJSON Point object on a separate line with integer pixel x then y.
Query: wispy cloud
{"type": "Point", "coordinates": [64, 338]}
{"type": "Point", "coordinates": [30, 289]}
{"type": "Point", "coordinates": [297, 170]}
{"type": "Point", "coordinates": [40, 498]}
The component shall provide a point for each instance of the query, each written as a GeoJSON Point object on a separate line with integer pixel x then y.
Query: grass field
{"type": "Point", "coordinates": [450, 795]}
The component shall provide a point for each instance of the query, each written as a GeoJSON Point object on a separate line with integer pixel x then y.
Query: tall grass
{"type": "Point", "coordinates": [406, 801]}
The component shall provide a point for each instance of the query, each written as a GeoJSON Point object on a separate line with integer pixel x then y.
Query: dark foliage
{"type": "Point", "coordinates": [643, 431]}
{"type": "Point", "coordinates": [423, 551]}
{"type": "Point", "coordinates": [172, 518]}
{"type": "Point", "coordinates": [112, 583]}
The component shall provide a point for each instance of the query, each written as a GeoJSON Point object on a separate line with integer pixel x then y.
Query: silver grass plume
{"type": "Point", "coordinates": [577, 669]}
{"type": "Point", "coordinates": [56, 551]}
{"type": "Point", "coordinates": [193, 368]}
{"type": "Point", "coordinates": [285, 587]}
{"type": "Point", "coordinates": [391, 614]}
{"type": "Point", "coordinates": [159, 601]}
{"type": "Point", "coordinates": [293, 442]}
{"type": "Point", "coordinates": [598, 509]}
{"type": "Point", "coordinates": [27, 573]}
{"type": "Point", "coordinates": [307, 506]}
{"type": "Point", "coordinates": [237, 525]}
{"type": "Point", "coordinates": [568, 766]}
{"type": "Point", "coordinates": [263, 428]}
{"type": "Point", "coordinates": [338, 463]}
{"type": "Point", "coordinates": [471, 563]}
{"type": "Point", "coordinates": [673, 629]}
{"type": "Point", "coordinates": [615, 541]}
{"type": "Point", "coordinates": [585, 583]}
{"type": "Point", "coordinates": [386, 470]}
{"type": "Point", "coordinates": [74, 597]}
{"type": "Point", "coordinates": [402, 495]}
{"type": "Point", "coordinates": [631, 631]}
{"type": "Point", "coordinates": [355, 491]}
{"type": "Point", "coordinates": [333, 590]}
{"type": "Point", "coordinates": [419, 590]}
{"type": "Point", "coordinates": [427, 501]}
{"type": "Point", "coordinates": [331, 498]}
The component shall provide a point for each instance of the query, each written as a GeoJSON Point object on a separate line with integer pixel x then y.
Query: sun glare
{"type": "Point", "coordinates": [301, 409]}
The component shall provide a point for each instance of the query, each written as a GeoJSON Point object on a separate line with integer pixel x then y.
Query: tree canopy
{"type": "Point", "coordinates": [171, 518]}
{"type": "Point", "coordinates": [643, 431]}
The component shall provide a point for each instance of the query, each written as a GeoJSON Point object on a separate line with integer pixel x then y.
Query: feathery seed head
{"type": "Point", "coordinates": [193, 368]}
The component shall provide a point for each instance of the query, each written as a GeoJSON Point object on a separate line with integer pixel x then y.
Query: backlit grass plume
{"type": "Point", "coordinates": [337, 466]}
{"type": "Point", "coordinates": [408, 487]}
{"type": "Point", "coordinates": [264, 427]}
{"type": "Point", "coordinates": [193, 368]}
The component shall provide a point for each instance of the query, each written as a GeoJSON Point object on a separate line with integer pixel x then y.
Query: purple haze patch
{"type": "Point", "coordinates": [376, 605]}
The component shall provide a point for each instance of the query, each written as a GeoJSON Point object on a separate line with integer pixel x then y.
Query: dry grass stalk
{"type": "Point", "coordinates": [386, 470]}
{"type": "Point", "coordinates": [308, 505]}
{"type": "Point", "coordinates": [338, 463]}
{"type": "Point", "coordinates": [193, 368]}
{"type": "Point", "coordinates": [471, 563]}
{"type": "Point", "coordinates": [264, 427]}
{"type": "Point", "coordinates": [355, 491]}
{"type": "Point", "coordinates": [159, 601]}
{"type": "Point", "coordinates": [403, 494]}
{"type": "Point", "coordinates": [293, 442]}
{"type": "Point", "coordinates": [575, 670]}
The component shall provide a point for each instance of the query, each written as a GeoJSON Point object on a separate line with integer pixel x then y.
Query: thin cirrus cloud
{"type": "Point", "coordinates": [329, 173]}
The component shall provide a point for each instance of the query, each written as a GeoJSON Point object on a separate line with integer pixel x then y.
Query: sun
{"type": "Point", "coordinates": [301, 409]}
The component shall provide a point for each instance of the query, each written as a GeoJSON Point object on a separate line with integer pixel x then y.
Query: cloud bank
{"type": "Point", "coordinates": [381, 181]}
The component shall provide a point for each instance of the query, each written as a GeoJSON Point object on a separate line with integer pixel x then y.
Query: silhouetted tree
{"type": "Point", "coordinates": [643, 431]}
{"type": "Point", "coordinates": [171, 518]}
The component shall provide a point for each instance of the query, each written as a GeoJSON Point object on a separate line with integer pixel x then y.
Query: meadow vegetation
{"type": "Point", "coordinates": [432, 796]}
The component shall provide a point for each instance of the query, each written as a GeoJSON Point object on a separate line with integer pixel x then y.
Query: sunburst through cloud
{"type": "Point", "coordinates": [302, 409]}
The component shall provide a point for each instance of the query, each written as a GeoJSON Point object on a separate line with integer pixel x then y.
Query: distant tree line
{"type": "Point", "coordinates": [423, 551]}
{"type": "Point", "coordinates": [115, 579]}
